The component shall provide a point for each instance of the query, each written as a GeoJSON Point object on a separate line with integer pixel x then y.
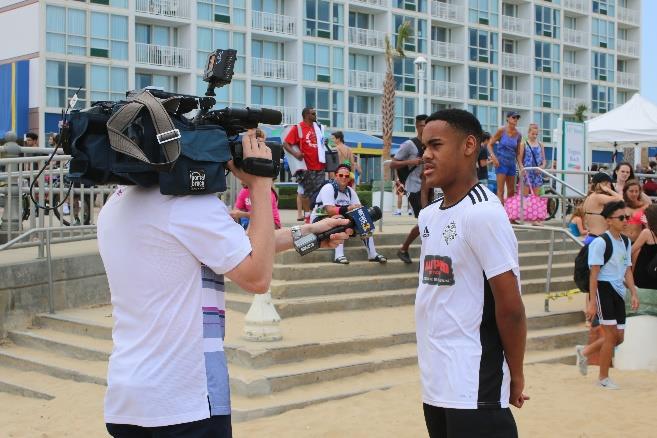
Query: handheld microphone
{"type": "Point", "coordinates": [361, 220]}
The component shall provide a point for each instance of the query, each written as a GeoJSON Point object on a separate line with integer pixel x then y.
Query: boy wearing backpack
{"type": "Point", "coordinates": [610, 273]}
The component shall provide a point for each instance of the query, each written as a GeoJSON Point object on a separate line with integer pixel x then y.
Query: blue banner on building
{"type": "Point", "coordinates": [14, 97]}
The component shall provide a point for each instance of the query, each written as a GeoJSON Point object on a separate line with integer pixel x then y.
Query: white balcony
{"type": "Point", "coordinates": [447, 11]}
{"type": "Point", "coordinates": [378, 4]}
{"type": "Point", "coordinates": [165, 8]}
{"type": "Point", "coordinates": [628, 48]}
{"type": "Point", "coordinates": [627, 80]}
{"type": "Point", "coordinates": [575, 37]}
{"type": "Point", "coordinates": [575, 71]}
{"type": "Point", "coordinates": [446, 90]}
{"type": "Point", "coordinates": [632, 16]}
{"type": "Point", "coordinates": [274, 23]}
{"type": "Point", "coordinates": [448, 51]}
{"type": "Point", "coordinates": [274, 69]}
{"type": "Point", "coordinates": [583, 6]}
{"type": "Point", "coordinates": [364, 122]}
{"type": "Point", "coordinates": [513, 61]}
{"type": "Point", "coordinates": [163, 56]}
{"type": "Point", "coordinates": [516, 25]}
{"type": "Point", "coordinates": [569, 104]}
{"type": "Point", "coordinates": [366, 80]}
{"type": "Point", "coordinates": [366, 38]}
{"type": "Point", "coordinates": [516, 99]}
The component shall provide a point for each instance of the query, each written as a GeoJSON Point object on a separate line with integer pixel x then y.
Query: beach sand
{"type": "Point", "coordinates": [563, 404]}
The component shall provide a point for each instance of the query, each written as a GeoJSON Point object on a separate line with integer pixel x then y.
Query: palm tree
{"type": "Point", "coordinates": [388, 104]}
{"type": "Point", "coordinates": [579, 113]}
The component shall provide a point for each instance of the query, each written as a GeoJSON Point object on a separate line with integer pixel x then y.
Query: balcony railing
{"type": "Point", "coordinates": [515, 99]}
{"type": "Point", "coordinates": [516, 25]}
{"type": "Point", "coordinates": [446, 90]}
{"type": "Point", "coordinates": [163, 56]}
{"type": "Point", "coordinates": [165, 8]}
{"type": "Point", "coordinates": [447, 51]}
{"type": "Point", "coordinates": [627, 80]}
{"type": "Point", "coordinates": [569, 104]}
{"type": "Point", "coordinates": [575, 71]}
{"type": "Point", "coordinates": [365, 122]}
{"type": "Point", "coordinates": [274, 69]}
{"type": "Point", "coordinates": [576, 37]}
{"type": "Point", "coordinates": [274, 23]}
{"type": "Point", "coordinates": [366, 80]}
{"type": "Point", "coordinates": [631, 16]}
{"type": "Point", "coordinates": [629, 48]}
{"type": "Point", "coordinates": [384, 4]}
{"type": "Point", "coordinates": [583, 6]}
{"type": "Point", "coordinates": [447, 11]}
{"type": "Point", "coordinates": [366, 38]}
{"type": "Point", "coordinates": [513, 61]}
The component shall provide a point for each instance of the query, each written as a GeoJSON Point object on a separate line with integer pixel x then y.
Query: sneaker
{"type": "Point", "coordinates": [404, 256]}
{"type": "Point", "coordinates": [607, 383]}
{"type": "Point", "coordinates": [582, 360]}
{"type": "Point", "coordinates": [410, 212]}
{"type": "Point", "coordinates": [397, 212]}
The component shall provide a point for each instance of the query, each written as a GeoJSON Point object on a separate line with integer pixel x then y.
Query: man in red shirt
{"type": "Point", "coordinates": [309, 149]}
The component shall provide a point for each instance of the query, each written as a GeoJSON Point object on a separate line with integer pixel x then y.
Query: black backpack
{"type": "Point", "coordinates": [582, 270]}
{"type": "Point", "coordinates": [403, 172]}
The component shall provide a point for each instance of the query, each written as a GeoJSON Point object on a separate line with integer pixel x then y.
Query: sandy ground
{"type": "Point", "coordinates": [563, 404]}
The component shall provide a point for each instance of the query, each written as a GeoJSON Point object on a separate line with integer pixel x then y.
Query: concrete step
{"type": "Point", "coordinates": [537, 285]}
{"type": "Point", "coordinates": [74, 325]}
{"type": "Point", "coordinates": [68, 344]}
{"type": "Point", "coordinates": [540, 271]}
{"type": "Point", "coordinates": [334, 271]}
{"type": "Point", "coordinates": [52, 364]}
{"type": "Point", "coordinates": [557, 337]}
{"type": "Point", "coordinates": [32, 384]}
{"type": "Point", "coordinates": [541, 257]}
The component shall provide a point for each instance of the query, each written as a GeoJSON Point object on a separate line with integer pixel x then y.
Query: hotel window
{"type": "Point", "coordinates": [113, 3]}
{"type": "Point", "coordinates": [603, 66]}
{"type": "Point", "coordinates": [546, 93]}
{"type": "Point", "coordinates": [547, 57]}
{"type": "Point", "coordinates": [411, 5]}
{"type": "Point", "coordinates": [404, 114]}
{"type": "Point", "coordinates": [602, 99]}
{"type": "Point", "coordinates": [361, 62]}
{"type": "Point", "coordinates": [482, 84]}
{"type": "Point", "coordinates": [329, 105]}
{"type": "Point", "coordinates": [207, 40]}
{"type": "Point", "coordinates": [547, 22]}
{"type": "Point", "coordinates": [360, 20]}
{"type": "Point", "coordinates": [547, 122]}
{"type": "Point", "coordinates": [267, 96]}
{"type": "Point", "coordinates": [361, 104]}
{"type": "Point", "coordinates": [268, 6]}
{"type": "Point", "coordinates": [483, 12]}
{"type": "Point", "coordinates": [622, 97]}
{"type": "Point", "coordinates": [233, 94]}
{"type": "Point", "coordinates": [62, 81]}
{"type": "Point", "coordinates": [483, 46]}
{"type": "Point", "coordinates": [107, 83]}
{"type": "Point", "coordinates": [273, 50]}
{"type": "Point", "coordinates": [324, 19]}
{"type": "Point", "coordinates": [109, 36]}
{"type": "Point", "coordinates": [404, 72]}
{"type": "Point", "coordinates": [604, 7]}
{"type": "Point", "coordinates": [603, 33]}
{"type": "Point", "coordinates": [417, 40]}
{"type": "Point", "coordinates": [487, 115]}
{"type": "Point", "coordinates": [323, 63]}
{"type": "Point", "coordinates": [166, 82]}
{"type": "Point", "coordinates": [222, 11]}
{"type": "Point", "coordinates": [66, 31]}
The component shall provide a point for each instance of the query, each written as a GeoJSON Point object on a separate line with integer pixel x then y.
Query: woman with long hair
{"type": "Point", "coordinates": [644, 254]}
{"type": "Point", "coordinates": [635, 205]}
{"type": "Point", "coordinates": [532, 155]}
{"type": "Point", "coordinates": [509, 138]}
{"type": "Point", "coordinates": [622, 173]}
{"type": "Point", "coordinates": [576, 224]}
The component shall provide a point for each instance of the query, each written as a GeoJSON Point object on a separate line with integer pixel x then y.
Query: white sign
{"type": "Point", "coordinates": [574, 155]}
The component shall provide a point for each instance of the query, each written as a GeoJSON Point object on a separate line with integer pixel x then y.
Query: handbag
{"type": "Point", "coordinates": [535, 207]}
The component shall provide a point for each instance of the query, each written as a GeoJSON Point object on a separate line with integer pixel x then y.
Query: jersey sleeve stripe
{"type": "Point", "coordinates": [472, 198]}
{"type": "Point", "coordinates": [483, 192]}
{"type": "Point", "coordinates": [476, 192]}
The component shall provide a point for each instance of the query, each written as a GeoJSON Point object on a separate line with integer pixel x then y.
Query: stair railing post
{"type": "Point", "coordinates": [548, 280]}
{"type": "Point", "coordinates": [51, 292]}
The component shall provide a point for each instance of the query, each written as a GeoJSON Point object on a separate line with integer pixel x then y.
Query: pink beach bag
{"type": "Point", "coordinates": [535, 207]}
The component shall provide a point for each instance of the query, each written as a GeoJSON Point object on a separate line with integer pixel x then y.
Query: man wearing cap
{"type": "Point", "coordinates": [601, 193]}
{"type": "Point", "coordinates": [505, 158]}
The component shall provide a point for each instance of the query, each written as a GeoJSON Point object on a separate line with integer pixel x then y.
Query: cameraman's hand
{"type": "Point", "coordinates": [328, 223]}
{"type": "Point", "coordinates": [252, 148]}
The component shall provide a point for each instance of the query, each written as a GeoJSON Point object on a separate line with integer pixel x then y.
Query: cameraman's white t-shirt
{"type": "Point", "coordinates": [164, 257]}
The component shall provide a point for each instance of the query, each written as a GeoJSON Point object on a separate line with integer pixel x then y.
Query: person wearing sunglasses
{"type": "Point", "coordinates": [508, 151]}
{"type": "Point", "coordinates": [336, 198]}
{"type": "Point", "coordinates": [607, 286]}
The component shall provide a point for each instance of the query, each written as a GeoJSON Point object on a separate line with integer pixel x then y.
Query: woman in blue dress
{"type": "Point", "coordinates": [508, 151]}
{"type": "Point", "coordinates": [532, 155]}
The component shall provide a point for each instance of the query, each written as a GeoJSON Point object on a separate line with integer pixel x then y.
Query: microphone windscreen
{"type": "Point", "coordinates": [375, 213]}
{"type": "Point", "coordinates": [270, 116]}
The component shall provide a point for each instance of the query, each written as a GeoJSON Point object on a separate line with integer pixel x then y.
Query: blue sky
{"type": "Point", "coordinates": [648, 52]}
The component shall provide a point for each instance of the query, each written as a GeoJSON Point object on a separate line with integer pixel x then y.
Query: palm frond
{"type": "Point", "coordinates": [404, 31]}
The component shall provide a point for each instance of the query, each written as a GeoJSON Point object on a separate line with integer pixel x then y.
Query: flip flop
{"type": "Point", "coordinates": [379, 258]}
{"type": "Point", "coordinates": [342, 260]}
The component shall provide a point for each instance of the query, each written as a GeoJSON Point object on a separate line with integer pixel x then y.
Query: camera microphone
{"type": "Point", "coordinates": [250, 117]}
{"type": "Point", "coordinates": [361, 220]}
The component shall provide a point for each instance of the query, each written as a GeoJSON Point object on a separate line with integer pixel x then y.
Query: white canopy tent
{"type": "Point", "coordinates": [633, 122]}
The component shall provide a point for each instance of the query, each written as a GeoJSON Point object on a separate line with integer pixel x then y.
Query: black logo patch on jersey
{"type": "Point", "coordinates": [438, 271]}
{"type": "Point", "coordinates": [449, 232]}
{"type": "Point", "coordinates": [425, 233]}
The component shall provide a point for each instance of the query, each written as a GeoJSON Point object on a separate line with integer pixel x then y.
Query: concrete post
{"type": "Point", "coordinates": [12, 214]}
{"type": "Point", "coordinates": [262, 322]}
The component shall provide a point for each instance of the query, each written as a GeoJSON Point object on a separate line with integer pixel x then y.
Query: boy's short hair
{"type": "Point", "coordinates": [32, 136]}
{"type": "Point", "coordinates": [461, 120]}
{"type": "Point", "coordinates": [611, 207]}
{"type": "Point", "coordinates": [421, 118]}
{"type": "Point", "coordinates": [338, 135]}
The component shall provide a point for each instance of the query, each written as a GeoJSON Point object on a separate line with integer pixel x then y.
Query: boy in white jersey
{"type": "Point", "coordinates": [471, 326]}
{"type": "Point", "coordinates": [165, 258]}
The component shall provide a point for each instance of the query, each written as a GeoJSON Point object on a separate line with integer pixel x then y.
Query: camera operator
{"type": "Point", "coordinates": [165, 258]}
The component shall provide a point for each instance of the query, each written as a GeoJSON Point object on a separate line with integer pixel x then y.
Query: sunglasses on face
{"type": "Point", "coordinates": [341, 175]}
{"type": "Point", "coordinates": [621, 218]}
{"type": "Point", "coordinates": [515, 117]}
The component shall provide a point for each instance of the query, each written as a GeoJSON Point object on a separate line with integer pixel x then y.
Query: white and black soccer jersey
{"type": "Point", "coordinates": [462, 363]}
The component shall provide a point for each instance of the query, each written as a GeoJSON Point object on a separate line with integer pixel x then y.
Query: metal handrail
{"type": "Point", "coordinates": [552, 230]}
